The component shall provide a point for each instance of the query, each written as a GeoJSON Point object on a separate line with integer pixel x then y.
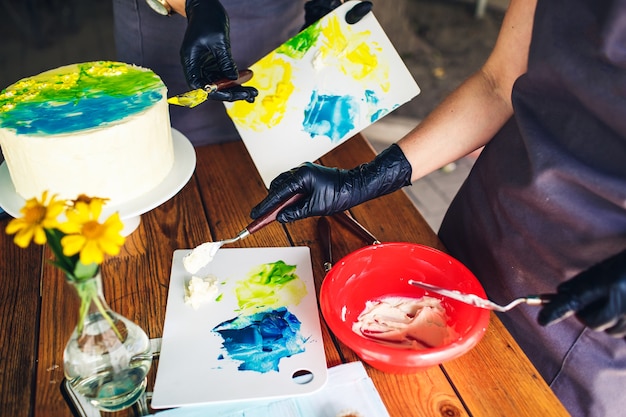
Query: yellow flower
{"type": "Point", "coordinates": [87, 236]}
{"type": "Point", "coordinates": [36, 216]}
{"type": "Point", "coordinates": [86, 199]}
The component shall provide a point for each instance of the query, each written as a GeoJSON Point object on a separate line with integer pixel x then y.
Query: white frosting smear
{"type": "Point", "coordinates": [200, 256]}
{"type": "Point", "coordinates": [200, 291]}
{"type": "Point", "coordinates": [405, 323]}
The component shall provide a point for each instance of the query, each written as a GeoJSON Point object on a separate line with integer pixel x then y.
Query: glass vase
{"type": "Point", "coordinates": [108, 356]}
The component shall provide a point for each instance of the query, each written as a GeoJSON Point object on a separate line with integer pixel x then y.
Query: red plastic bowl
{"type": "Point", "coordinates": [381, 270]}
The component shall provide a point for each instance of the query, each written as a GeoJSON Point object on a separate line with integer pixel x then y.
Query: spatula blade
{"type": "Point", "coordinates": [189, 99]}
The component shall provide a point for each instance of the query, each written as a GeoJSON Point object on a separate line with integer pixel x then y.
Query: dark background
{"type": "Point", "coordinates": [441, 41]}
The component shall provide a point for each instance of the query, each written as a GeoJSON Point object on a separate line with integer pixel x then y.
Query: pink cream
{"type": "Point", "coordinates": [405, 323]}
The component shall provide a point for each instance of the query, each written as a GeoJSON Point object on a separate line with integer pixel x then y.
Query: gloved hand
{"type": "Point", "coordinates": [596, 296]}
{"type": "Point", "coordinates": [205, 52]}
{"type": "Point", "coordinates": [330, 190]}
{"type": "Point", "coordinates": [314, 10]}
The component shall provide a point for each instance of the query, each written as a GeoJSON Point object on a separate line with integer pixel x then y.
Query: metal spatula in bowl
{"type": "Point", "coordinates": [472, 299]}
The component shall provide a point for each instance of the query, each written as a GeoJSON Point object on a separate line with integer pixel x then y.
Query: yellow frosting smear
{"type": "Point", "coordinates": [272, 77]}
{"type": "Point", "coordinates": [29, 89]}
{"type": "Point", "coordinates": [352, 53]}
{"type": "Point", "coordinates": [107, 71]}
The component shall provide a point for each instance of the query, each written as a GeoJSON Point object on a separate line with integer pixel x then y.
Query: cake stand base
{"type": "Point", "coordinates": [130, 225]}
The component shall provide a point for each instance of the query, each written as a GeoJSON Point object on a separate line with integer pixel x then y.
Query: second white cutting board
{"type": "Point", "coordinates": [194, 367]}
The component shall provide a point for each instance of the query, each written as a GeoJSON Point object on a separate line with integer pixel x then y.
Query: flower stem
{"type": "Point", "coordinates": [108, 318]}
{"type": "Point", "coordinates": [88, 292]}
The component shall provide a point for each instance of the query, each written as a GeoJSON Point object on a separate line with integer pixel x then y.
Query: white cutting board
{"type": "Point", "coordinates": [190, 371]}
{"type": "Point", "coordinates": [319, 89]}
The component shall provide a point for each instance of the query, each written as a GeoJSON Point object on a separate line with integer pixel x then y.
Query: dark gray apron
{"type": "Point", "coordinates": [142, 37]}
{"type": "Point", "coordinates": [546, 199]}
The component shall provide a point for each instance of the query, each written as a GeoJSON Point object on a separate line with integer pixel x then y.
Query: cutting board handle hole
{"type": "Point", "coordinates": [302, 376]}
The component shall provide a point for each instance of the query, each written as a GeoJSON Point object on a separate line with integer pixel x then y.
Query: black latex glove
{"type": "Point", "coordinates": [596, 296]}
{"type": "Point", "coordinates": [205, 52]}
{"type": "Point", "coordinates": [314, 10]}
{"type": "Point", "coordinates": [330, 190]}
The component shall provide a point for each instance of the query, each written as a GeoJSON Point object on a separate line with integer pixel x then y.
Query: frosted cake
{"type": "Point", "coordinates": [95, 128]}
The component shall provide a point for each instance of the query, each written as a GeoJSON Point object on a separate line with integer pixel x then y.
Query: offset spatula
{"type": "Point", "coordinates": [194, 97]}
{"type": "Point", "coordinates": [202, 254]}
{"type": "Point", "coordinates": [473, 299]}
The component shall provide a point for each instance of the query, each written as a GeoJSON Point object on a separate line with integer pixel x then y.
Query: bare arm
{"type": "Point", "coordinates": [469, 117]}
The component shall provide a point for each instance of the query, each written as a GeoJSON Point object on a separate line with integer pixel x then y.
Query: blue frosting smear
{"type": "Point", "coordinates": [261, 340]}
{"type": "Point", "coordinates": [54, 118]}
{"type": "Point", "coordinates": [334, 116]}
{"type": "Point", "coordinates": [372, 100]}
{"type": "Point", "coordinates": [330, 115]}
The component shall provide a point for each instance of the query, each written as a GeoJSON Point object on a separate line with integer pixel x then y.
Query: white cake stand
{"type": "Point", "coordinates": [130, 211]}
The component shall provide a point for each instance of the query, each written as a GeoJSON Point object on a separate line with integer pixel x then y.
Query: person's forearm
{"type": "Point", "coordinates": [462, 123]}
{"type": "Point", "coordinates": [474, 112]}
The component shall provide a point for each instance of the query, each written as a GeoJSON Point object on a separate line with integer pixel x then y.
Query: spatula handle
{"type": "Point", "coordinates": [539, 299]}
{"type": "Point", "coordinates": [271, 215]}
{"type": "Point", "coordinates": [354, 226]}
{"type": "Point", "coordinates": [326, 241]}
{"type": "Point", "coordinates": [244, 76]}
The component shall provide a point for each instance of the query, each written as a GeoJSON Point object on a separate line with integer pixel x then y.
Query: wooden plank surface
{"type": "Point", "coordinates": [20, 275]}
{"type": "Point", "coordinates": [496, 379]}
{"type": "Point", "coordinates": [492, 380]}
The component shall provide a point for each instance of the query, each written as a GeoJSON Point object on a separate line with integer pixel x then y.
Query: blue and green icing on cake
{"type": "Point", "coordinates": [78, 97]}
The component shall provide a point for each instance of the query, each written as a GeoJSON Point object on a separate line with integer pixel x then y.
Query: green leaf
{"type": "Point", "coordinates": [65, 263]}
{"type": "Point", "coordinates": [61, 266]}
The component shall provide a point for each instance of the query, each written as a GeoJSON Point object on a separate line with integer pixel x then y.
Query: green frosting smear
{"type": "Point", "coordinates": [270, 286]}
{"type": "Point", "coordinates": [299, 45]}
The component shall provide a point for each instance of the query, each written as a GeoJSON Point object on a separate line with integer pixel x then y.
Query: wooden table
{"type": "Point", "coordinates": [38, 308]}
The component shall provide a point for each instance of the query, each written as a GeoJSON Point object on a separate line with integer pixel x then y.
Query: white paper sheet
{"type": "Point", "coordinates": [349, 389]}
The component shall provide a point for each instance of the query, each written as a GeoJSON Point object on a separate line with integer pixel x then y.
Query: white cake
{"type": "Point", "coordinates": [96, 128]}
